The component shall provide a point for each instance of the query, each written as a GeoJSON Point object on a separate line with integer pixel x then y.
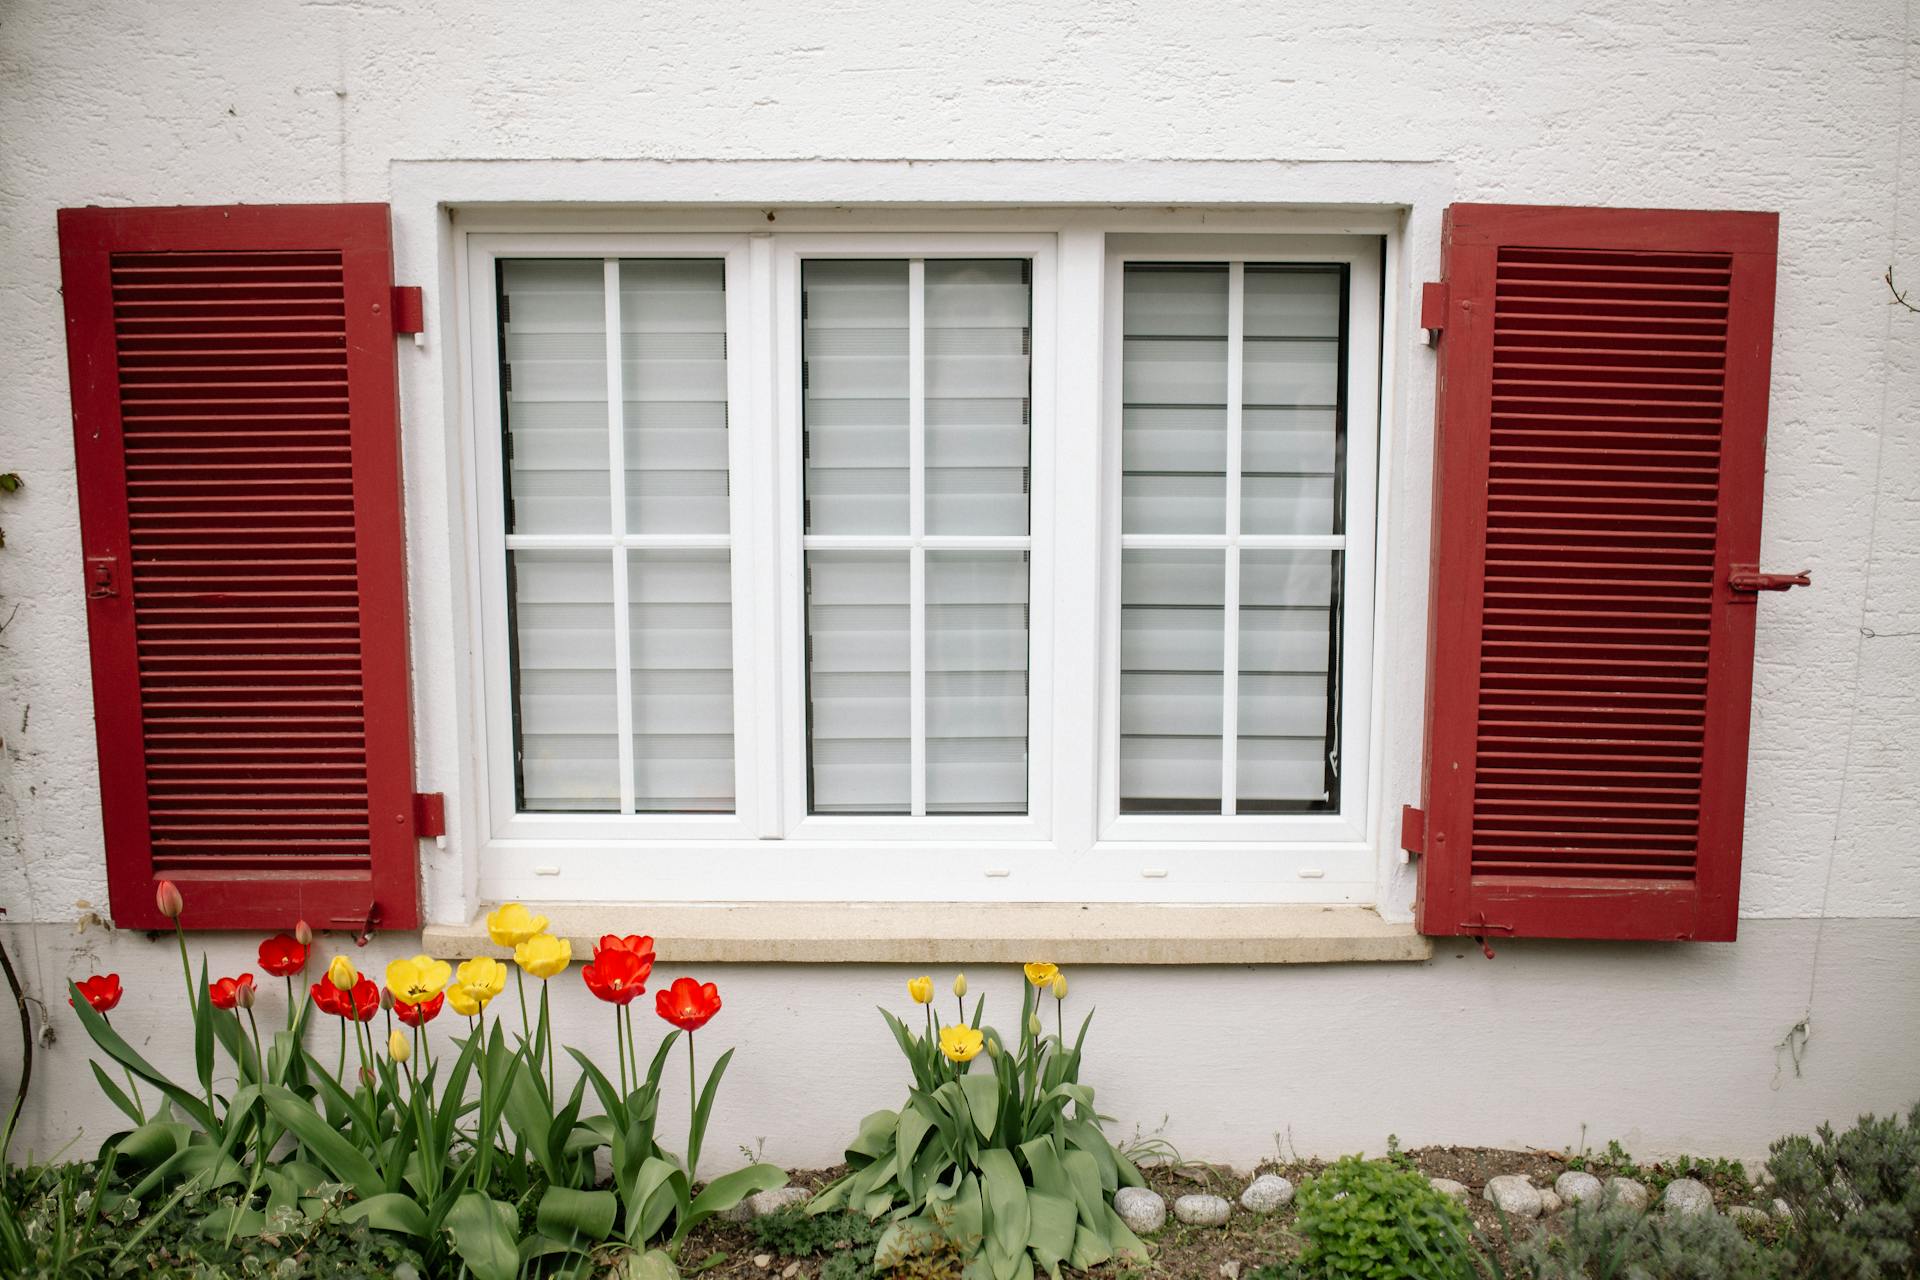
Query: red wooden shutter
{"type": "Point", "coordinates": [236, 426]}
{"type": "Point", "coordinates": [1599, 462]}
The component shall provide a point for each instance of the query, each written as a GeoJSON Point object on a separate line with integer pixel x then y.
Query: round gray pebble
{"type": "Point", "coordinates": [1628, 1194]}
{"type": "Point", "coordinates": [1687, 1195]}
{"type": "Point", "coordinates": [1141, 1208]}
{"type": "Point", "coordinates": [1513, 1194]}
{"type": "Point", "coordinates": [1576, 1187]}
{"type": "Point", "coordinates": [1266, 1193]}
{"type": "Point", "coordinates": [1202, 1211]}
{"type": "Point", "coordinates": [1448, 1187]}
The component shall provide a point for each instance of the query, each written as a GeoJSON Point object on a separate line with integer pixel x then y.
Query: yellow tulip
{"type": "Point", "coordinates": [418, 980]}
{"type": "Point", "coordinates": [1041, 975]}
{"type": "Point", "coordinates": [960, 985]}
{"type": "Point", "coordinates": [921, 989]}
{"type": "Point", "coordinates": [475, 983]}
{"type": "Point", "coordinates": [543, 955]}
{"type": "Point", "coordinates": [513, 924]}
{"type": "Point", "coordinates": [1059, 986]}
{"type": "Point", "coordinates": [397, 1047]}
{"type": "Point", "coordinates": [461, 1000]}
{"type": "Point", "coordinates": [341, 973]}
{"type": "Point", "coordinates": [961, 1043]}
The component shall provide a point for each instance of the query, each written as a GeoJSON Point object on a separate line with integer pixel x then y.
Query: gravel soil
{"type": "Point", "coordinates": [727, 1251]}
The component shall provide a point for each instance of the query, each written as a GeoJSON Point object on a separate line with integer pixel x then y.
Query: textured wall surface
{"type": "Point", "coordinates": [1808, 110]}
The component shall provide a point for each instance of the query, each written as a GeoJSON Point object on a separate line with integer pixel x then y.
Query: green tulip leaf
{"type": "Point", "coordinates": [389, 1211]}
{"type": "Point", "coordinates": [983, 1100]}
{"type": "Point", "coordinates": [1051, 1233]}
{"type": "Point", "coordinates": [651, 1264]}
{"type": "Point", "coordinates": [340, 1156]}
{"type": "Point", "coordinates": [120, 1051]}
{"type": "Point", "coordinates": [485, 1236]}
{"type": "Point", "coordinates": [576, 1216]}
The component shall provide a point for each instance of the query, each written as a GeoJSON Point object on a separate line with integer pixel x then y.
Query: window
{"type": "Point", "coordinates": [801, 564]}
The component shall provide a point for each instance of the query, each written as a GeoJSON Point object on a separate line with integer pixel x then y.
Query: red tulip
{"type": "Point", "coordinates": [416, 1015]}
{"type": "Point", "coordinates": [687, 1004]}
{"type": "Point", "coordinates": [617, 975]}
{"type": "Point", "coordinates": [282, 956]}
{"type": "Point", "coordinates": [637, 945]}
{"type": "Point", "coordinates": [102, 991]}
{"type": "Point", "coordinates": [360, 1005]}
{"type": "Point", "coordinates": [225, 993]}
{"type": "Point", "coordinates": [166, 896]}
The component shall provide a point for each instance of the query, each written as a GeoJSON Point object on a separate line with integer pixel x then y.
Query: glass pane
{"type": "Point", "coordinates": [681, 641]}
{"type": "Point", "coordinates": [1172, 642]}
{"type": "Point", "coordinates": [1288, 628]}
{"type": "Point", "coordinates": [1290, 420]}
{"type": "Point", "coordinates": [855, 402]}
{"type": "Point", "coordinates": [673, 352]}
{"type": "Point", "coordinates": [976, 682]}
{"type": "Point", "coordinates": [859, 723]}
{"type": "Point", "coordinates": [567, 729]}
{"type": "Point", "coordinates": [1173, 416]}
{"type": "Point", "coordinates": [554, 395]}
{"type": "Point", "coordinates": [978, 352]}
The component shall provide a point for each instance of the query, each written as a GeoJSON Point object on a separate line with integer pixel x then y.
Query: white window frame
{"type": "Point", "coordinates": [1072, 845]}
{"type": "Point", "coordinates": [1361, 256]}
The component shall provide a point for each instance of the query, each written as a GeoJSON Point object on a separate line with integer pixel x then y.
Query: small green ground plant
{"type": "Point", "coordinates": [1379, 1220]}
{"type": "Point", "coordinates": [1625, 1244]}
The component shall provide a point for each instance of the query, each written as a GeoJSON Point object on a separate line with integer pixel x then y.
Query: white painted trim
{"type": "Point", "coordinates": [1400, 201]}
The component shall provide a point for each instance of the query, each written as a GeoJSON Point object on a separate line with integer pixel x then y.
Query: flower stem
{"type": "Point", "coordinates": [693, 1114]}
{"type": "Point", "coordinates": [620, 1044]}
{"type": "Point", "coordinates": [526, 1025]}
{"type": "Point", "coordinates": [546, 1035]}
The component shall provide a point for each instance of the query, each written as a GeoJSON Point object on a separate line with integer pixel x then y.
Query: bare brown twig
{"type": "Point", "coordinates": [1899, 295]}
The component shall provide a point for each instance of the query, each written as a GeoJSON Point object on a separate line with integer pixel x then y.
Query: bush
{"type": "Point", "coordinates": [1855, 1200]}
{"type": "Point", "coordinates": [1372, 1218]}
{"type": "Point", "coordinates": [1625, 1244]}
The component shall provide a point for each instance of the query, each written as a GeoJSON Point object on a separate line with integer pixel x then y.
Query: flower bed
{"type": "Point", "coordinates": [429, 1148]}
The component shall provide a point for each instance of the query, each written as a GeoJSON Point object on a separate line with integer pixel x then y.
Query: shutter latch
{"type": "Point", "coordinates": [103, 578]}
{"type": "Point", "coordinates": [360, 926]}
{"type": "Point", "coordinates": [430, 817]}
{"type": "Point", "coordinates": [1433, 309]}
{"type": "Point", "coordinates": [409, 312]}
{"type": "Point", "coordinates": [1413, 829]}
{"type": "Point", "coordinates": [1747, 577]}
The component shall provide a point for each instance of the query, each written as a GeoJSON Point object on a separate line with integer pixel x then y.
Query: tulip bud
{"type": "Point", "coordinates": [960, 985]}
{"type": "Point", "coordinates": [921, 989]}
{"type": "Point", "coordinates": [166, 896]}
{"type": "Point", "coordinates": [366, 1077]}
{"type": "Point", "coordinates": [1033, 1023]}
{"type": "Point", "coordinates": [993, 1048]}
{"type": "Point", "coordinates": [397, 1047]}
{"type": "Point", "coordinates": [1060, 986]}
{"type": "Point", "coordinates": [243, 995]}
{"type": "Point", "coordinates": [386, 1000]}
{"type": "Point", "coordinates": [302, 934]}
{"type": "Point", "coordinates": [341, 973]}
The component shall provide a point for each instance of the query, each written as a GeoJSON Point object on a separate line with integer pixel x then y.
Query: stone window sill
{"type": "Point", "coordinates": [974, 933]}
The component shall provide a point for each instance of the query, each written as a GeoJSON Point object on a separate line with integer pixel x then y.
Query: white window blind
{"type": "Point", "coordinates": [917, 411]}
{"type": "Point", "coordinates": [614, 390]}
{"type": "Point", "coordinates": [1232, 426]}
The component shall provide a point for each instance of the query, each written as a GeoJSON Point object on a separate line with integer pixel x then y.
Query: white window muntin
{"type": "Point", "coordinates": [790, 252]}
{"type": "Point", "coordinates": [484, 255]}
{"type": "Point", "coordinates": [1355, 713]}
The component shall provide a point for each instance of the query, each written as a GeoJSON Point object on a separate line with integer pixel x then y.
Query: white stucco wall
{"type": "Point", "coordinates": [1808, 110]}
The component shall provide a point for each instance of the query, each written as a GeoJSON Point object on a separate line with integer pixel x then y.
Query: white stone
{"type": "Point", "coordinates": [1550, 1203]}
{"type": "Point", "coordinates": [1781, 1209]}
{"type": "Point", "coordinates": [1266, 1193]}
{"type": "Point", "coordinates": [1577, 1187]}
{"type": "Point", "coordinates": [1202, 1211]}
{"type": "Point", "coordinates": [762, 1203]}
{"type": "Point", "coordinates": [1627, 1193]}
{"type": "Point", "coordinates": [1514, 1195]}
{"type": "Point", "coordinates": [1141, 1208]}
{"type": "Point", "coordinates": [1747, 1216]}
{"type": "Point", "coordinates": [1687, 1195]}
{"type": "Point", "coordinates": [1448, 1187]}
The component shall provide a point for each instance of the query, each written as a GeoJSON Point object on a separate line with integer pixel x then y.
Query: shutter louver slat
{"type": "Point", "coordinates": [1597, 474]}
{"type": "Point", "coordinates": [237, 444]}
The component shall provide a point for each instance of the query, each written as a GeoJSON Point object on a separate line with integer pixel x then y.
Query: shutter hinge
{"type": "Point", "coordinates": [1413, 829]}
{"type": "Point", "coordinates": [1747, 577]}
{"type": "Point", "coordinates": [103, 577]}
{"type": "Point", "coordinates": [430, 817]}
{"type": "Point", "coordinates": [409, 311]}
{"type": "Point", "coordinates": [1433, 309]}
{"type": "Point", "coordinates": [360, 926]}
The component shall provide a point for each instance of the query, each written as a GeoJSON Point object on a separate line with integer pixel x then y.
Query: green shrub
{"type": "Point", "coordinates": [1855, 1200]}
{"type": "Point", "coordinates": [1625, 1244]}
{"type": "Point", "coordinates": [1372, 1218]}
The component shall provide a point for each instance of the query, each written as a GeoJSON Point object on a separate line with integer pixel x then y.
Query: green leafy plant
{"type": "Point", "coordinates": [1854, 1199]}
{"type": "Point", "coordinates": [1625, 1244]}
{"type": "Point", "coordinates": [1372, 1218]}
{"type": "Point", "coordinates": [1008, 1164]}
